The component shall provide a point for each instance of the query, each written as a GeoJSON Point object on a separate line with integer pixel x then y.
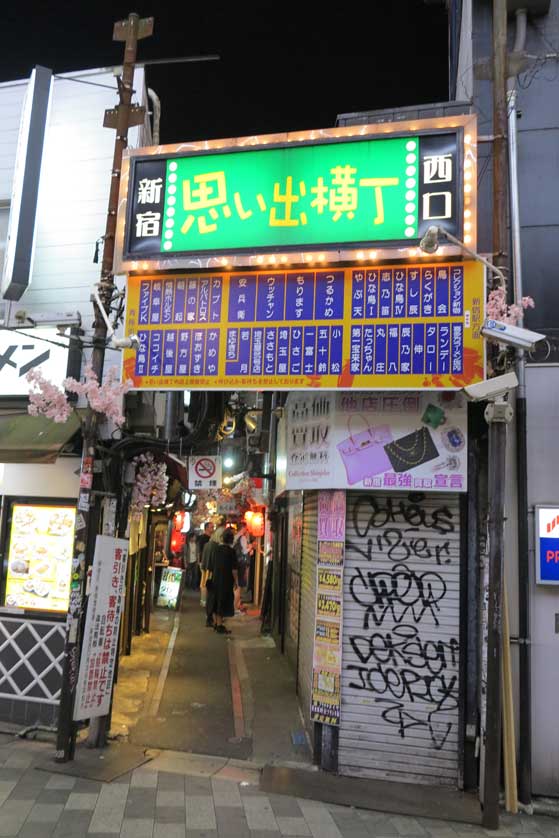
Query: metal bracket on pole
{"type": "Point", "coordinates": [137, 114]}
{"type": "Point", "coordinates": [145, 29]}
{"type": "Point", "coordinates": [498, 412]}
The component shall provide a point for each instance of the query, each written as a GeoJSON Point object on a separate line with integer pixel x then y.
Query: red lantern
{"type": "Point", "coordinates": [177, 540]}
{"type": "Point", "coordinates": [178, 520]}
{"type": "Point", "coordinates": [257, 524]}
{"type": "Point", "coordinates": [248, 517]}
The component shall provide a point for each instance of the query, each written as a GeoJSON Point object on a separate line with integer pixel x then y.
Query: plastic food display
{"type": "Point", "coordinates": [40, 557]}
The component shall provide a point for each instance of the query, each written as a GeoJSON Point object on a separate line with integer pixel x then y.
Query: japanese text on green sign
{"type": "Point", "coordinates": [308, 195]}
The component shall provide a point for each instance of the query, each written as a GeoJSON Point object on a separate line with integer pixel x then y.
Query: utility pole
{"type": "Point", "coordinates": [497, 416]}
{"type": "Point", "coordinates": [121, 118]}
{"type": "Point", "coordinates": [524, 667]}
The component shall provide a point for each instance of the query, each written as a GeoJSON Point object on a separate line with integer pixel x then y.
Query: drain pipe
{"type": "Point", "coordinates": [524, 664]}
{"type": "Point", "coordinates": [156, 104]}
{"type": "Point", "coordinates": [172, 400]}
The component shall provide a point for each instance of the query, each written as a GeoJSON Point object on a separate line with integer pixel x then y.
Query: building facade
{"type": "Point", "coordinates": [40, 460]}
{"type": "Point", "coordinates": [535, 35]}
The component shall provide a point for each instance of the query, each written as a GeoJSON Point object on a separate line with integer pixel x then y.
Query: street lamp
{"type": "Point", "coordinates": [430, 244]}
{"type": "Point", "coordinates": [493, 330]}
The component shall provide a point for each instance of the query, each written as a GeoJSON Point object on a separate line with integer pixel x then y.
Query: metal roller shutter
{"type": "Point", "coordinates": [293, 549]}
{"type": "Point", "coordinates": [400, 664]}
{"type": "Point", "coordinates": [307, 604]}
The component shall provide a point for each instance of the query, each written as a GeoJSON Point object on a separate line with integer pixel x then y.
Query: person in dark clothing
{"type": "Point", "coordinates": [208, 567]}
{"type": "Point", "coordinates": [203, 538]}
{"type": "Point", "coordinates": [224, 582]}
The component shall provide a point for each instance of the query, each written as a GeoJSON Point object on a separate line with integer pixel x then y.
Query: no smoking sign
{"type": "Point", "coordinates": [204, 472]}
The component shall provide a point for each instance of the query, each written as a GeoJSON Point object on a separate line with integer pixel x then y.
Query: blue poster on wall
{"type": "Point", "coordinates": [547, 545]}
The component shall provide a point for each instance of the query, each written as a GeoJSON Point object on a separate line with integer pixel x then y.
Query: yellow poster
{"type": "Point", "coordinates": [405, 326]}
{"type": "Point", "coordinates": [40, 557]}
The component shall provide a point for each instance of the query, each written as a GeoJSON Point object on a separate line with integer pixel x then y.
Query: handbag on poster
{"type": "Point", "coordinates": [412, 450]}
{"type": "Point", "coordinates": [363, 453]}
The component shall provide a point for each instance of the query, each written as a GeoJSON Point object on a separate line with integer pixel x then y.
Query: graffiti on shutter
{"type": "Point", "coordinates": [401, 628]}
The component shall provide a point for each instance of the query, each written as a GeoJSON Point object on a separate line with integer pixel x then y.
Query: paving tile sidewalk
{"type": "Point", "coordinates": [185, 796]}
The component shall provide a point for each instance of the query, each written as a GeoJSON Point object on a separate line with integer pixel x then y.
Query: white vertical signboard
{"type": "Point", "coordinates": [100, 644]}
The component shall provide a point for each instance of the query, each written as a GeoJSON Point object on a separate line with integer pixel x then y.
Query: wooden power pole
{"type": "Point", "coordinates": [497, 441]}
{"type": "Point", "coordinates": [121, 118]}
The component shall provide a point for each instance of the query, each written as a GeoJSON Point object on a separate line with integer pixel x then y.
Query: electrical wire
{"type": "Point", "coordinates": [37, 337]}
{"type": "Point", "coordinates": [83, 81]}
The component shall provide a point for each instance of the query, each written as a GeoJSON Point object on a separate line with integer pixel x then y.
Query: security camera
{"type": "Point", "coordinates": [491, 389]}
{"type": "Point", "coordinates": [500, 332]}
{"type": "Point", "coordinates": [53, 319]}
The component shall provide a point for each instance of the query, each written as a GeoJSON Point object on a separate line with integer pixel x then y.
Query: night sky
{"type": "Point", "coordinates": [282, 68]}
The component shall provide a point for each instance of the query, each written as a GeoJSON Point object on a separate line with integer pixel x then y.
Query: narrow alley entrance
{"type": "Point", "coordinates": [187, 688]}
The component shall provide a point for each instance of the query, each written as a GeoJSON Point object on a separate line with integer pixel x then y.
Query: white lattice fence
{"type": "Point", "coordinates": [31, 653]}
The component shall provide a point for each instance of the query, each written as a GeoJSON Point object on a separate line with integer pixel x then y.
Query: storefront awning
{"type": "Point", "coordinates": [33, 439]}
{"type": "Point", "coordinates": [177, 469]}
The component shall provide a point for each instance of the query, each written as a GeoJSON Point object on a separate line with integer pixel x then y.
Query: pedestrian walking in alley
{"type": "Point", "coordinates": [224, 581]}
{"type": "Point", "coordinates": [203, 539]}
{"type": "Point", "coordinates": [192, 567]}
{"type": "Point", "coordinates": [208, 565]}
{"type": "Point", "coordinates": [243, 549]}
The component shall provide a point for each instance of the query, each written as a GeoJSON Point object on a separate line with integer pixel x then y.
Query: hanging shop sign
{"type": "Point", "coordinates": [204, 472]}
{"type": "Point", "coordinates": [404, 441]}
{"type": "Point", "coordinates": [327, 652]}
{"type": "Point", "coordinates": [364, 327]}
{"type": "Point", "coordinates": [377, 185]}
{"type": "Point", "coordinates": [170, 589]}
{"type": "Point", "coordinates": [547, 545]}
{"type": "Point", "coordinates": [20, 354]}
{"type": "Point", "coordinates": [40, 557]}
{"type": "Point", "coordinates": [102, 623]}
{"type": "Point", "coordinates": [20, 240]}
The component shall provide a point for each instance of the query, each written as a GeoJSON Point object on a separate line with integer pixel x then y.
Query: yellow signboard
{"type": "Point", "coordinates": [407, 327]}
{"type": "Point", "coordinates": [40, 557]}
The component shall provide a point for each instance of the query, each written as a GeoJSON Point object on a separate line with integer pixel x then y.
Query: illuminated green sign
{"type": "Point", "coordinates": [363, 191]}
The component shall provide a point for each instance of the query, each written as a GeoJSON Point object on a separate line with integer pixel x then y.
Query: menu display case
{"type": "Point", "coordinates": [39, 557]}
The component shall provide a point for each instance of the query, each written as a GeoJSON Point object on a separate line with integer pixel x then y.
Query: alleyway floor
{"type": "Point", "coordinates": [187, 688]}
{"type": "Point", "coordinates": [210, 712]}
{"type": "Point", "coordinates": [182, 796]}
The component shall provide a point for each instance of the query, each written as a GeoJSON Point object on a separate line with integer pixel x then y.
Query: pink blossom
{"type": "Point", "coordinates": [497, 308]}
{"type": "Point", "coordinates": [105, 398]}
{"type": "Point", "coordinates": [151, 483]}
{"type": "Point", "coordinates": [47, 400]}
{"type": "Point", "coordinates": [50, 401]}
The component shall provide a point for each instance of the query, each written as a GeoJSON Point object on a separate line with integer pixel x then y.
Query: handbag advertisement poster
{"type": "Point", "coordinates": [395, 441]}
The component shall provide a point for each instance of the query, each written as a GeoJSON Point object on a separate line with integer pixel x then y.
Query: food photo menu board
{"type": "Point", "coordinates": [40, 557]}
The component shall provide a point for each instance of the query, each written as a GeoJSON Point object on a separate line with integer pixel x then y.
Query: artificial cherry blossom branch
{"type": "Point", "coordinates": [498, 309]}
{"type": "Point", "coordinates": [150, 487]}
{"type": "Point", "coordinates": [50, 401]}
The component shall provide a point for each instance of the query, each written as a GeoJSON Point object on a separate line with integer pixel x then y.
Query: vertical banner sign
{"type": "Point", "coordinates": [327, 657]}
{"type": "Point", "coordinates": [100, 645]}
